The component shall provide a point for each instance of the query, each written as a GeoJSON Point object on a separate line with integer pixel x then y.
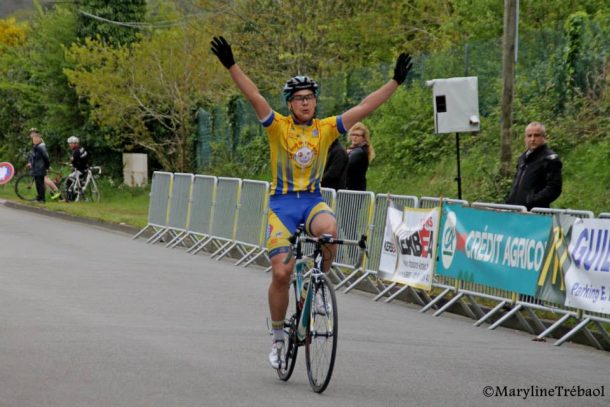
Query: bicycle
{"type": "Point", "coordinates": [82, 186]}
{"type": "Point", "coordinates": [25, 187]}
{"type": "Point", "coordinates": [315, 322]}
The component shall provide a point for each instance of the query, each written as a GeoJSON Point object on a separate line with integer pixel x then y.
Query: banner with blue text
{"type": "Point", "coordinates": [587, 279]}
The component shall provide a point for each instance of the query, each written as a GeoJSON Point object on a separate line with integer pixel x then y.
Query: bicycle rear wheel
{"type": "Point", "coordinates": [291, 349]}
{"type": "Point", "coordinates": [321, 339]}
{"type": "Point", "coordinates": [25, 188]}
{"type": "Point", "coordinates": [67, 189]}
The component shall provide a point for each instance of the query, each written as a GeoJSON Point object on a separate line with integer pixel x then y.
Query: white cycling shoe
{"type": "Point", "coordinates": [276, 356]}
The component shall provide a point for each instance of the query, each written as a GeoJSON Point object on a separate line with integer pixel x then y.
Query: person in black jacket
{"type": "Point", "coordinates": [538, 180]}
{"type": "Point", "coordinates": [361, 153]}
{"type": "Point", "coordinates": [80, 157]}
{"type": "Point", "coordinates": [335, 170]}
{"type": "Point", "coordinates": [38, 163]}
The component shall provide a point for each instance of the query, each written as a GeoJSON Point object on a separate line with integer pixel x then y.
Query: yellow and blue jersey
{"type": "Point", "coordinates": [298, 153]}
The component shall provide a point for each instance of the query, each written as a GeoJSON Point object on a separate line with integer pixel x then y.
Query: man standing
{"type": "Point", "coordinates": [38, 163]}
{"type": "Point", "coordinates": [537, 182]}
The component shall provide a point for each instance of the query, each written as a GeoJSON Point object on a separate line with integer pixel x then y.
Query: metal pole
{"type": "Point", "coordinates": [459, 174]}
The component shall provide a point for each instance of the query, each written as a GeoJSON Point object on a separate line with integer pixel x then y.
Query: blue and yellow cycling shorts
{"type": "Point", "coordinates": [287, 212]}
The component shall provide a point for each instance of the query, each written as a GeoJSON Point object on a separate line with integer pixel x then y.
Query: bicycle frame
{"type": "Point", "coordinates": [78, 188]}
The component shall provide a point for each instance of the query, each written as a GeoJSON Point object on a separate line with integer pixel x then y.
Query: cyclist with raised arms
{"type": "Point", "coordinates": [298, 150]}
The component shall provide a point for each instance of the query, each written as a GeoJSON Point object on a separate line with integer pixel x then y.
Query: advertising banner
{"type": "Point", "coordinates": [417, 241]}
{"type": "Point", "coordinates": [389, 257]}
{"type": "Point", "coordinates": [408, 254]}
{"type": "Point", "coordinates": [499, 249]}
{"type": "Point", "coordinates": [551, 282]}
{"type": "Point", "coordinates": [587, 279]}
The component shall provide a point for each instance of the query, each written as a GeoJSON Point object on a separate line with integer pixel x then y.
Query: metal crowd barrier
{"type": "Point", "coordinates": [382, 203]}
{"type": "Point", "coordinates": [354, 213]}
{"type": "Point", "coordinates": [222, 232]}
{"type": "Point", "coordinates": [251, 222]}
{"type": "Point", "coordinates": [330, 196]}
{"type": "Point", "coordinates": [499, 207]}
{"type": "Point", "coordinates": [202, 209]}
{"type": "Point", "coordinates": [158, 205]}
{"type": "Point", "coordinates": [584, 318]}
{"type": "Point", "coordinates": [179, 205]}
{"type": "Point", "coordinates": [227, 214]}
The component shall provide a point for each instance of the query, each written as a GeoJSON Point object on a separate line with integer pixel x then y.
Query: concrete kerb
{"type": "Point", "coordinates": [131, 230]}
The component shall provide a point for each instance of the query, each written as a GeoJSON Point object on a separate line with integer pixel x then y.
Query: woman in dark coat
{"type": "Point", "coordinates": [361, 153]}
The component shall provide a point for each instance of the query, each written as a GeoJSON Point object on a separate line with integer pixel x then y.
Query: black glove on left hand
{"type": "Point", "coordinates": [222, 49]}
{"type": "Point", "coordinates": [402, 68]}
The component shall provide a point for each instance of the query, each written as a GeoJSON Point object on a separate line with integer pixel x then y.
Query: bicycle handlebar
{"type": "Point", "coordinates": [295, 244]}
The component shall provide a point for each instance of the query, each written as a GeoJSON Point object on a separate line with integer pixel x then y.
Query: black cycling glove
{"type": "Point", "coordinates": [222, 49]}
{"type": "Point", "coordinates": [402, 68]}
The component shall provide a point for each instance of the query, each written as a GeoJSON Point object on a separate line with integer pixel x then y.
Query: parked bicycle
{"type": "Point", "coordinates": [315, 322]}
{"type": "Point", "coordinates": [25, 187]}
{"type": "Point", "coordinates": [82, 186]}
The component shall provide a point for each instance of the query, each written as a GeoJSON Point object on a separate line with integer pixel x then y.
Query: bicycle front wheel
{"type": "Point", "coordinates": [321, 339]}
{"type": "Point", "coordinates": [92, 192]}
{"type": "Point", "coordinates": [289, 359]}
{"type": "Point", "coordinates": [25, 188]}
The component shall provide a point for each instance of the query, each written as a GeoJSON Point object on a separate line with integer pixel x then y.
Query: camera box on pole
{"type": "Point", "coordinates": [456, 105]}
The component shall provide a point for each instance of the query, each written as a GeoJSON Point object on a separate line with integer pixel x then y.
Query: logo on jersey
{"type": "Point", "coordinates": [303, 157]}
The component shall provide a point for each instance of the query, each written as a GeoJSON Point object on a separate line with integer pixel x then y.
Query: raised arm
{"type": "Point", "coordinates": [222, 49]}
{"type": "Point", "coordinates": [377, 98]}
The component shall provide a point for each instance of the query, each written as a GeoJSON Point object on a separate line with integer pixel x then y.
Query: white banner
{"type": "Point", "coordinates": [588, 277]}
{"type": "Point", "coordinates": [417, 241]}
{"type": "Point", "coordinates": [387, 262]}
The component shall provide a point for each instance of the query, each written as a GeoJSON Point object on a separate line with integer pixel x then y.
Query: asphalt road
{"type": "Point", "coordinates": [89, 317]}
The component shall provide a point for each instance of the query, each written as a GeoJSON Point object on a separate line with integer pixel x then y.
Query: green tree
{"type": "Point", "coordinates": [35, 90]}
{"type": "Point", "coordinates": [149, 93]}
{"type": "Point", "coordinates": [113, 21]}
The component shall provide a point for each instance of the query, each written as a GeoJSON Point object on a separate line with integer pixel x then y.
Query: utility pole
{"type": "Point", "coordinates": [509, 59]}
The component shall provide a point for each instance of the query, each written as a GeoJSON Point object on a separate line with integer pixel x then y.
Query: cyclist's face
{"type": "Point", "coordinates": [303, 105]}
{"type": "Point", "coordinates": [73, 146]}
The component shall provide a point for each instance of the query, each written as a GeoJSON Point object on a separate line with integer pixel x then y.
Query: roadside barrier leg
{"type": "Point", "coordinates": [365, 275]}
{"type": "Point", "coordinates": [448, 304]}
{"type": "Point", "coordinates": [385, 291]}
{"type": "Point", "coordinates": [490, 313]}
{"type": "Point", "coordinates": [551, 328]}
{"type": "Point", "coordinates": [602, 331]}
{"type": "Point", "coordinates": [574, 330]}
{"type": "Point", "coordinates": [396, 293]}
{"type": "Point", "coordinates": [346, 279]}
{"type": "Point", "coordinates": [436, 299]}
{"type": "Point", "coordinates": [505, 317]}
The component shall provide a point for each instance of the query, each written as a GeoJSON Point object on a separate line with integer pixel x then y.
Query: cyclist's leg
{"type": "Point", "coordinates": [278, 294]}
{"type": "Point", "coordinates": [321, 220]}
{"type": "Point", "coordinates": [49, 182]}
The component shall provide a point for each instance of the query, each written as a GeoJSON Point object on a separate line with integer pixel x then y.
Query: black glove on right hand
{"type": "Point", "coordinates": [402, 68]}
{"type": "Point", "coordinates": [222, 49]}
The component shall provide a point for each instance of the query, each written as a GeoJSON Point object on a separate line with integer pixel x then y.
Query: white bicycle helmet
{"type": "Point", "coordinates": [73, 140]}
{"type": "Point", "coordinates": [297, 83]}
